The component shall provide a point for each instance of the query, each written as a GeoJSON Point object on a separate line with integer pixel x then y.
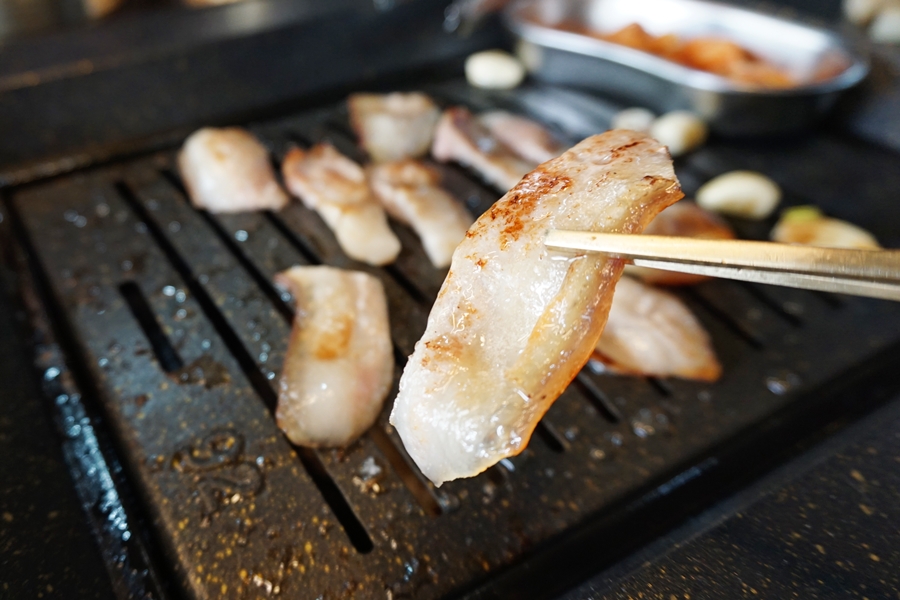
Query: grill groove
{"type": "Point", "coordinates": [166, 354]}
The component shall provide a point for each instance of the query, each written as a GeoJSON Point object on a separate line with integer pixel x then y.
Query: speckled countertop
{"type": "Point", "coordinates": [827, 525]}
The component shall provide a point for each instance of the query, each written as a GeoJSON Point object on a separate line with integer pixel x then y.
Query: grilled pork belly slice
{"type": "Point", "coordinates": [228, 170]}
{"type": "Point", "coordinates": [339, 365]}
{"type": "Point", "coordinates": [411, 193]}
{"type": "Point", "coordinates": [683, 219]}
{"type": "Point", "coordinates": [459, 137]}
{"type": "Point", "coordinates": [529, 139]}
{"type": "Point", "coordinates": [336, 187]}
{"type": "Point", "coordinates": [651, 332]}
{"type": "Point", "coordinates": [514, 322]}
{"type": "Point", "coordinates": [393, 126]}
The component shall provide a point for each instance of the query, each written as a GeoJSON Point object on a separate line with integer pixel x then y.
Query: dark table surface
{"type": "Point", "coordinates": [825, 525]}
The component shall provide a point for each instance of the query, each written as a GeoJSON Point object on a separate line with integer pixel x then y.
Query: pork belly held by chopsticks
{"type": "Point", "coordinates": [228, 170]}
{"type": "Point", "coordinates": [651, 332]}
{"type": "Point", "coordinates": [411, 193]}
{"type": "Point", "coordinates": [393, 126]}
{"type": "Point", "coordinates": [514, 322]}
{"type": "Point", "coordinates": [336, 187]}
{"type": "Point", "coordinates": [339, 364]}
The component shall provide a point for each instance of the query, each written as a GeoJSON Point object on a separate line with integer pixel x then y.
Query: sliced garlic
{"type": "Point", "coordinates": [635, 119]}
{"type": "Point", "coordinates": [807, 225]}
{"type": "Point", "coordinates": [745, 194]}
{"type": "Point", "coordinates": [886, 26]}
{"type": "Point", "coordinates": [494, 69]}
{"type": "Point", "coordinates": [680, 130]}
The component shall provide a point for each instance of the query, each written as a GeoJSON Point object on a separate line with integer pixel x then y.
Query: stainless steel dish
{"type": "Point", "coordinates": [806, 52]}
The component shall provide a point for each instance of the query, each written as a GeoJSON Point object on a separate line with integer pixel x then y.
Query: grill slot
{"type": "Point", "coordinates": [734, 324]}
{"type": "Point", "coordinates": [271, 292]}
{"type": "Point", "coordinates": [779, 309]}
{"type": "Point", "coordinates": [166, 354]}
{"type": "Point", "coordinates": [596, 396]}
{"type": "Point", "coordinates": [606, 444]}
{"type": "Point", "coordinates": [548, 434]}
{"type": "Point", "coordinates": [660, 385]}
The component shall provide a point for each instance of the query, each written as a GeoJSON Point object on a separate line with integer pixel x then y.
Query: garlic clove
{"type": "Point", "coordinates": [494, 69]}
{"type": "Point", "coordinates": [745, 194]}
{"type": "Point", "coordinates": [807, 225]}
{"type": "Point", "coordinates": [885, 27]}
{"type": "Point", "coordinates": [680, 130]}
{"type": "Point", "coordinates": [635, 119]}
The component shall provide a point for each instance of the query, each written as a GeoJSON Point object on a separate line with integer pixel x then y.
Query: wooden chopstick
{"type": "Point", "coordinates": [872, 273]}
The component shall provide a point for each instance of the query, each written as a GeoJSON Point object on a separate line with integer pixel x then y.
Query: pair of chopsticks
{"type": "Point", "coordinates": [872, 273]}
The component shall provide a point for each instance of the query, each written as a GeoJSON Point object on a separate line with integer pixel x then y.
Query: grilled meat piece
{"type": "Point", "coordinates": [514, 322]}
{"type": "Point", "coordinates": [411, 193]}
{"type": "Point", "coordinates": [529, 139]}
{"type": "Point", "coordinates": [228, 170]}
{"type": "Point", "coordinates": [339, 365]}
{"type": "Point", "coordinates": [393, 126]}
{"type": "Point", "coordinates": [459, 137]}
{"type": "Point", "coordinates": [651, 332]}
{"type": "Point", "coordinates": [336, 187]}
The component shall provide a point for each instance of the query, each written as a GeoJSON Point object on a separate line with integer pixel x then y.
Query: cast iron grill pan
{"type": "Point", "coordinates": [174, 316]}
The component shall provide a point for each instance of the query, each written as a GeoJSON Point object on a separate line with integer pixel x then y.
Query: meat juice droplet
{"type": "Point", "coordinates": [642, 426]}
{"type": "Point", "coordinates": [782, 383]}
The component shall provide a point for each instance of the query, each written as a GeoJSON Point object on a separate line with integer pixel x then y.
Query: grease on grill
{"type": "Point", "coordinates": [203, 371]}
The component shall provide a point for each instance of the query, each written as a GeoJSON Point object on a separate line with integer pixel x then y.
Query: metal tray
{"type": "Point", "coordinates": [555, 55]}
